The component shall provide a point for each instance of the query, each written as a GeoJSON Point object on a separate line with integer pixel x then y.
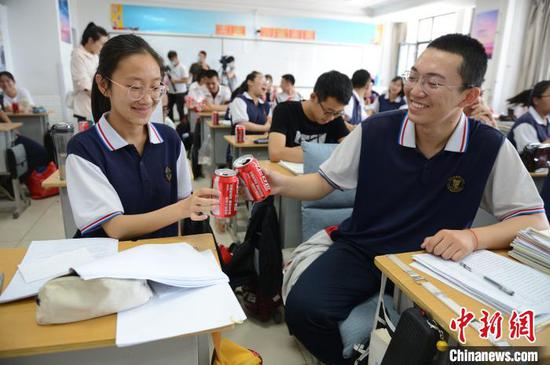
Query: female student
{"type": "Point", "coordinates": [393, 99]}
{"type": "Point", "coordinates": [84, 61]}
{"type": "Point", "coordinates": [12, 93]}
{"type": "Point", "coordinates": [248, 106]}
{"type": "Point", "coordinates": [128, 178]}
{"type": "Point", "coordinates": [533, 126]}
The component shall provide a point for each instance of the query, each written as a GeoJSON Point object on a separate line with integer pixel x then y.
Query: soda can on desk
{"type": "Point", "coordinates": [240, 133]}
{"type": "Point", "coordinates": [252, 177]}
{"type": "Point", "coordinates": [227, 183]}
{"type": "Point", "coordinates": [15, 107]}
{"type": "Point", "coordinates": [215, 118]}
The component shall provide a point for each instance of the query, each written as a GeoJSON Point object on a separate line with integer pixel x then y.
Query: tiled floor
{"type": "Point", "coordinates": [43, 220]}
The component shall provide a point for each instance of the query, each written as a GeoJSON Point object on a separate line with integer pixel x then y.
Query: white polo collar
{"type": "Point", "coordinates": [247, 95]}
{"type": "Point", "coordinates": [537, 117]}
{"type": "Point", "coordinates": [458, 142]}
{"type": "Point", "coordinates": [113, 141]}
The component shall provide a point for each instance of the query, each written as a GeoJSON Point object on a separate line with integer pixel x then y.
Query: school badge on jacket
{"type": "Point", "coordinates": [455, 184]}
{"type": "Point", "coordinates": [168, 173]}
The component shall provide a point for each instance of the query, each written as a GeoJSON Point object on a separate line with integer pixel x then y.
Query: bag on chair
{"type": "Point", "coordinates": [35, 179]}
{"type": "Point", "coordinates": [229, 353]}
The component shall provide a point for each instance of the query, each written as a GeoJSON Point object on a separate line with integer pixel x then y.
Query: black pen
{"type": "Point", "coordinates": [499, 286]}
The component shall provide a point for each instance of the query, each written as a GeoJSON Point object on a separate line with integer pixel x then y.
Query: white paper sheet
{"type": "Point", "coordinates": [40, 250]}
{"type": "Point", "coordinates": [296, 168]}
{"type": "Point", "coordinates": [56, 265]}
{"type": "Point", "coordinates": [177, 311]}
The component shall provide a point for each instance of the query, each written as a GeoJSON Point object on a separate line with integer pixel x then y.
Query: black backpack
{"type": "Point", "coordinates": [256, 265]}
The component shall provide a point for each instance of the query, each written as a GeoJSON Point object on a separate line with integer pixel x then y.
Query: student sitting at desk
{"type": "Point", "coordinates": [248, 107]}
{"type": "Point", "coordinates": [533, 126]}
{"type": "Point", "coordinates": [393, 99]}
{"type": "Point", "coordinates": [288, 93]}
{"type": "Point", "coordinates": [355, 111]}
{"type": "Point", "coordinates": [14, 94]}
{"type": "Point", "coordinates": [217, 96]}
{"type": "Point", "coordinates": [318, 119]}
{"type": "Point", "coordinates": [128, 178]}
{"type": "Point", "coordinates": [420, 176]}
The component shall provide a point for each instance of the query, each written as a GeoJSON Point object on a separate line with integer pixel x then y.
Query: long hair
{"type": "Point", "coordinates": [525, 98]}
{"type": "Point", "coordinates": [114, 51]}
{"type": "Point", "coordinates": [92, 31]}
{"type": "Point", "coordinates": [244, 86]}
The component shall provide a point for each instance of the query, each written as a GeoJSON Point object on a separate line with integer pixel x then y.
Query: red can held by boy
{"type": "Point", "coordinates": [227, 183]}
{"type": "Point", "coordinates": [252, 177]}
{"type": "Point", "coordinates": [240, 133]}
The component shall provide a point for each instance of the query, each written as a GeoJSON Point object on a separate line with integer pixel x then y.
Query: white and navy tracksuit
{"type": "Point", "coordinates": [402, 197]}
{"type": "Point", "coordinates": [107, 177]}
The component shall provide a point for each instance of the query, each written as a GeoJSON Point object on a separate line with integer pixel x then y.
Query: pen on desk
{"type": "Point", "coordinates": [499, 286]}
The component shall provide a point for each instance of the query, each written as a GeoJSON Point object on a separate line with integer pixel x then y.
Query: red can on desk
{"type": "Point", "coordinates": [215, 118]}
{"type": "Point", "coordinates": [240, 133]}
{"type": "Point", "coordinates": [15, 107]}
{"type": "Point", "coordinates": [227, 183]}
{"type": "Point", "coordinates": [253, 178]}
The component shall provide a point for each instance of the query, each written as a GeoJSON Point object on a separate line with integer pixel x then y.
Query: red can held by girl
{"type": "Point", "coordinates": [227, 183]}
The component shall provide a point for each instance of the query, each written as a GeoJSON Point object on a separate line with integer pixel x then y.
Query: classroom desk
{"type": "Point", "coordinates": [21, 202]}
{"type": "Point", "coordinates": [289, 210]}
{"type": "Point", "coordinates": [21, 336]}
{"type": "Point", "coordinates": [218, 145]}
{"type": "Point", "coordinates": [441, 313]}
{"type": "Point", "coordinates": [248, 147]}
{"type": "Point", "coordinates": [35, 125]}
{"type": "Point", "coordinates": [53, 181]}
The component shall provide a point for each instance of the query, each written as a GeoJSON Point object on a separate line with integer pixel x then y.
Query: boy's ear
{"type": "Point", "coordinates": [470, 97]}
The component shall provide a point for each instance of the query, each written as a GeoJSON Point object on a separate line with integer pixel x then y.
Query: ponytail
{"type": "Point", "coordinates": [92, 31]}
{"type": "Point", "coordinates": [525, 98]}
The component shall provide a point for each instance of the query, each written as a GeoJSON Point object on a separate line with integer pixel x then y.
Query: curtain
{"type": "Point", "coordinates": [536, 50]}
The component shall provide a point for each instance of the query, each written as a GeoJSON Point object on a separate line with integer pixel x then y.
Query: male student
{"type": "Point", "coordinates": [217, 96]}
{"type": "Point", "coordinates": [420, 177]}
{"type": "Point", "coordinates": [177, 85]}
{"type": "Point", "coordinates": [289, 92]}
{"type": "Point", "coordinates": [318, 119]}
{"type": "Point", "coordinates": [355, 111]}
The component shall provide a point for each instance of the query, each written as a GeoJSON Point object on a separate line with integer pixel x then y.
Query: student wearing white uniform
{"type": "Point", "coordinates": [217, 96]}
{"type": "Point", "coordinates": [84, 61]}
{"type": "Point", "coordinates": [128, 178]}
{"type": "Point", "coordinates": [355, 111]}
{"type": "Point", "coordinates": [14, 94]}
{"type": "Point", "coordinates": [177, 86]}
{"type": "Point", "coordinates": [288, 93]}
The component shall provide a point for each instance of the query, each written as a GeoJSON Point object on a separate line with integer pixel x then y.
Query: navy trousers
{"type": "Point", "coordinates": [37, 156]}
{"type": "Point", "coordinates": [324, 295]}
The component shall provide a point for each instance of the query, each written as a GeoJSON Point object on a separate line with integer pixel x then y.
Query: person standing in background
{"type": "Point", "coordinates": [198, 66]}
{"type": "Point", "coordinates": [84, 61]}
{"type": "Point", "coordinates": [177, 87]}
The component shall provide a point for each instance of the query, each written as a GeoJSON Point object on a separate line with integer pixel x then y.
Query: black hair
{"type": "Point", "coordinates": [360, 78]}
{"type": "Point", "coordinates": [474, 59]}
{"type": "Point", "coordinates": [333, 84]}
{"type": "Point", "coordinates": [402, 91]}
{"type": "Point", "coordinates": [93, 31]}
{"type": "Point", "coordinates": [114, 51]}
{"type": "Point", "coordinates": [8, 75]}
{"type": "Point", "coordinates": [525, 98]}
{"type": "Point", "coordinates": [244, 86]}
{"type": "Point", "coordinates": [201, 75]}
{"type": "Point", "coordinates": [289, 78]}
{"type": "Point", "coordinates": [211, 73]}
{"type": "Point", "coordinates": [269, 77]}
{"type": "Point", "coordinates": [172, 54]}
{"type": "Point", "coordinates": [203, 52]}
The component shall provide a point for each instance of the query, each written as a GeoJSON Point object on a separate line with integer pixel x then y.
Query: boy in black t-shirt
{"type": "Point", "coordinates": [318, 119]}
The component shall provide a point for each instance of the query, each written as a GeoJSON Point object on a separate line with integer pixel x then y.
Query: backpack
{"type": "Point", "coordinates": [256, 264]}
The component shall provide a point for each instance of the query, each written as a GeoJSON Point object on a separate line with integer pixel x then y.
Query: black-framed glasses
{"type": "Point", "coordinates": [328, 113]}
{"type": "Point", "coordinates": [428, 83]}
{"type": "Point", "coordinates": [136, 91]}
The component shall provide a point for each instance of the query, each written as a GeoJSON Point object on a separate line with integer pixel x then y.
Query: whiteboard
{"type": "Point", "coordinates": [306, 61]}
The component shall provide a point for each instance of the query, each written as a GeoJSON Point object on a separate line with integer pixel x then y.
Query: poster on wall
{"type": "Point", "coordinates": [64, 21]}
{"type": "Point", "coordinates": [484, 29]}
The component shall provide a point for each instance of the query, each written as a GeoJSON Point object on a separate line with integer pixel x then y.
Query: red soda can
{"type": "Point", "coordinates": [227, 183]}
{"type": "Point", "coordinates": [240, 133]}
{"type": "Point", "coordinates": [83, 125]}
{"type": "Point", "coordinates": [251, 175]}
{"type": "Point", "coordinates": [215, 118]}
{"type": "Point", "coordinates": [15, 107]}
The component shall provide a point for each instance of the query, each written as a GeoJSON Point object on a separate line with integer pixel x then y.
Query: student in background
{"type": "Point", "coordinates": [421, 176]}
{"type": "Point", "coordinates": [270, 89]}
{"type": "Point", "coordinates": [355, 111]}
{"type": "Point", "coordinates": [249, 107]}
{"type": "Point", "coordinates": [165, 118]}
{"type": "Point", "coordinates": [177, 87]}
{"type": "Point", "coordinates": [128, 178]}
{"type": "Point", "coordinates": [393, 99]}
{"type": "Point", "coordinates": [519, 104]}
{"type": "Point", "coordinates": [318, 119]}
{"type": "Point", "coordinates": [217, 96]}
{"type": "Point", "coordinates": [14, 94]}
{"type": "Point", "coordinates": [288, 93]}
{"type": "Point", "coordinates": [198, 66]}
{"type": "Point", "coordinates": [197, 90]}
{"type": "Point", "coordinates": [533, 126]}
{"type": "Point", "coordinates": [84, 61]}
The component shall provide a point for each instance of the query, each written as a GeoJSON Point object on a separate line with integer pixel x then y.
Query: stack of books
{"type": "Point", "coordinates": [532, 248]}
